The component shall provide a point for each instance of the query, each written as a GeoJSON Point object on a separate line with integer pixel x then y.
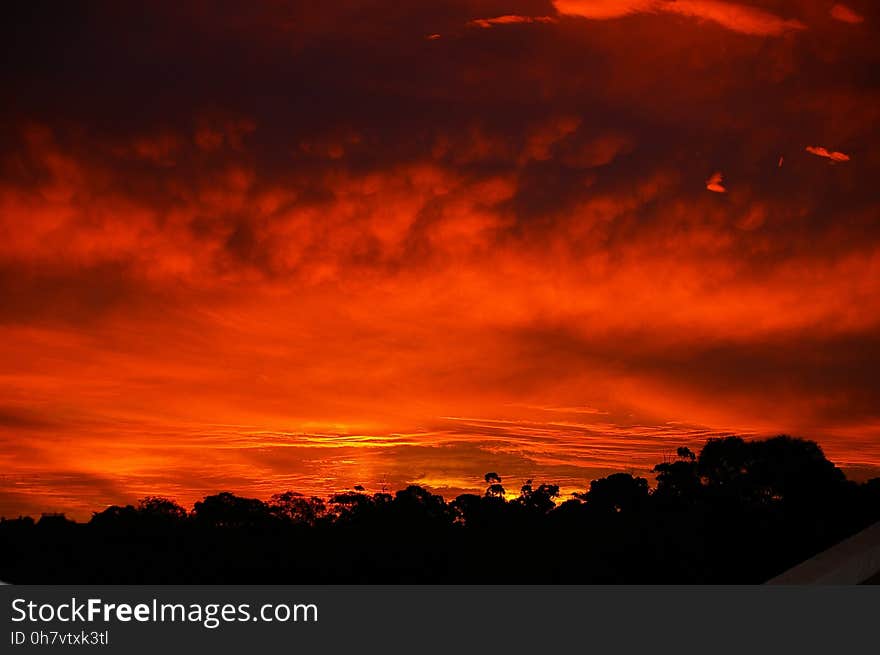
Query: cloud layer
{"type": "Point", "coordinates": [734, 16]}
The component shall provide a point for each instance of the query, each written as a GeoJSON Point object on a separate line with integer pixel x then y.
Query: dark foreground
{"type": "Point", "coordinates": [740, 512]}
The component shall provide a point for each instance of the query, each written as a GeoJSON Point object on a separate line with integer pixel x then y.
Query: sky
{"type": "Point", "coordinates": [293, 245]}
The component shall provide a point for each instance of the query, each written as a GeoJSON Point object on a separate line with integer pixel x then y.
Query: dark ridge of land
{"type": "Point", "coordinates": [739, 512]}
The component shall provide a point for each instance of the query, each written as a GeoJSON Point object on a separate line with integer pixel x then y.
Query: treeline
{"type": "Point", "coordinates": [738, 512]}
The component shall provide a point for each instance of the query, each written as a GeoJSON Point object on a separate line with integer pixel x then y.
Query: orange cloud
{"type": "Point", "coordinates": [510, 19]}
{"type": "Point", "coordinates": [604, 9]}
{"type": "Point", "coordinates": [431, 263]}
{"type": "Point", "coordinates": [819, 151]}
{"type": "Point", "coordinates": [714, 183]}
{"type": "Point", "coordinates": [845, 14]}
{"type": "Point", "coordinates": [733, 16]}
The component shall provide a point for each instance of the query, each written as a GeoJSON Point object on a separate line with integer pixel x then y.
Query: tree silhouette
{"type": "Point", "coordinates": [736, 512]}
{"type": "Point", "coordinates": [686, 453]}
{"type": "Point", "coordinates": [619, 492]}
{"type": "Point", "coordinates": [494, 490]}
{"type": "Point", "coordinates": [226, 510]}
{"type": "Point", "coordinates": [678, 481]}
{"type": "Point", "coordinates": [539, 500]}
{"type": "Point", "coordinates": [297, 508]}
{"type": "Point", "coordinates": [417, 503]}
{"type": "Point", "coordinates": [161, 509]}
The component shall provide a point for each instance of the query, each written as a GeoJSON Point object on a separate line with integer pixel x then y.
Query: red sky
{"type": "Point", "coordinates": [307, 247]}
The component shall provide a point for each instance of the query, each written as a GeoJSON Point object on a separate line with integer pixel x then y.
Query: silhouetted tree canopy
{"type": "Point", "coordinates": [494, 490]}
{"type": "Point", "coordinates": [736, 512]}
{"type": "Point", "coordinates": [296, 508]}
{"type": "Point", "coordinates": [619, 492]}
{"type": "Point", "coordinates": [540, 499]}
{"type": "Point", "coordinates": [160, 509]}
{"type": "Point", "coordinates": [226, 510]}
{"type": "Point", "coordinates": [686, 453]}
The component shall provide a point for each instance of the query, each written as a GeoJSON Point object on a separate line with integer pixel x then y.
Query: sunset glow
{"type": "Point", "coordinates": [308, 247]}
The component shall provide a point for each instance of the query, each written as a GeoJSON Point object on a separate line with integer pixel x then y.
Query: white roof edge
{"type": "Point", "coordinates": [850, 562]}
